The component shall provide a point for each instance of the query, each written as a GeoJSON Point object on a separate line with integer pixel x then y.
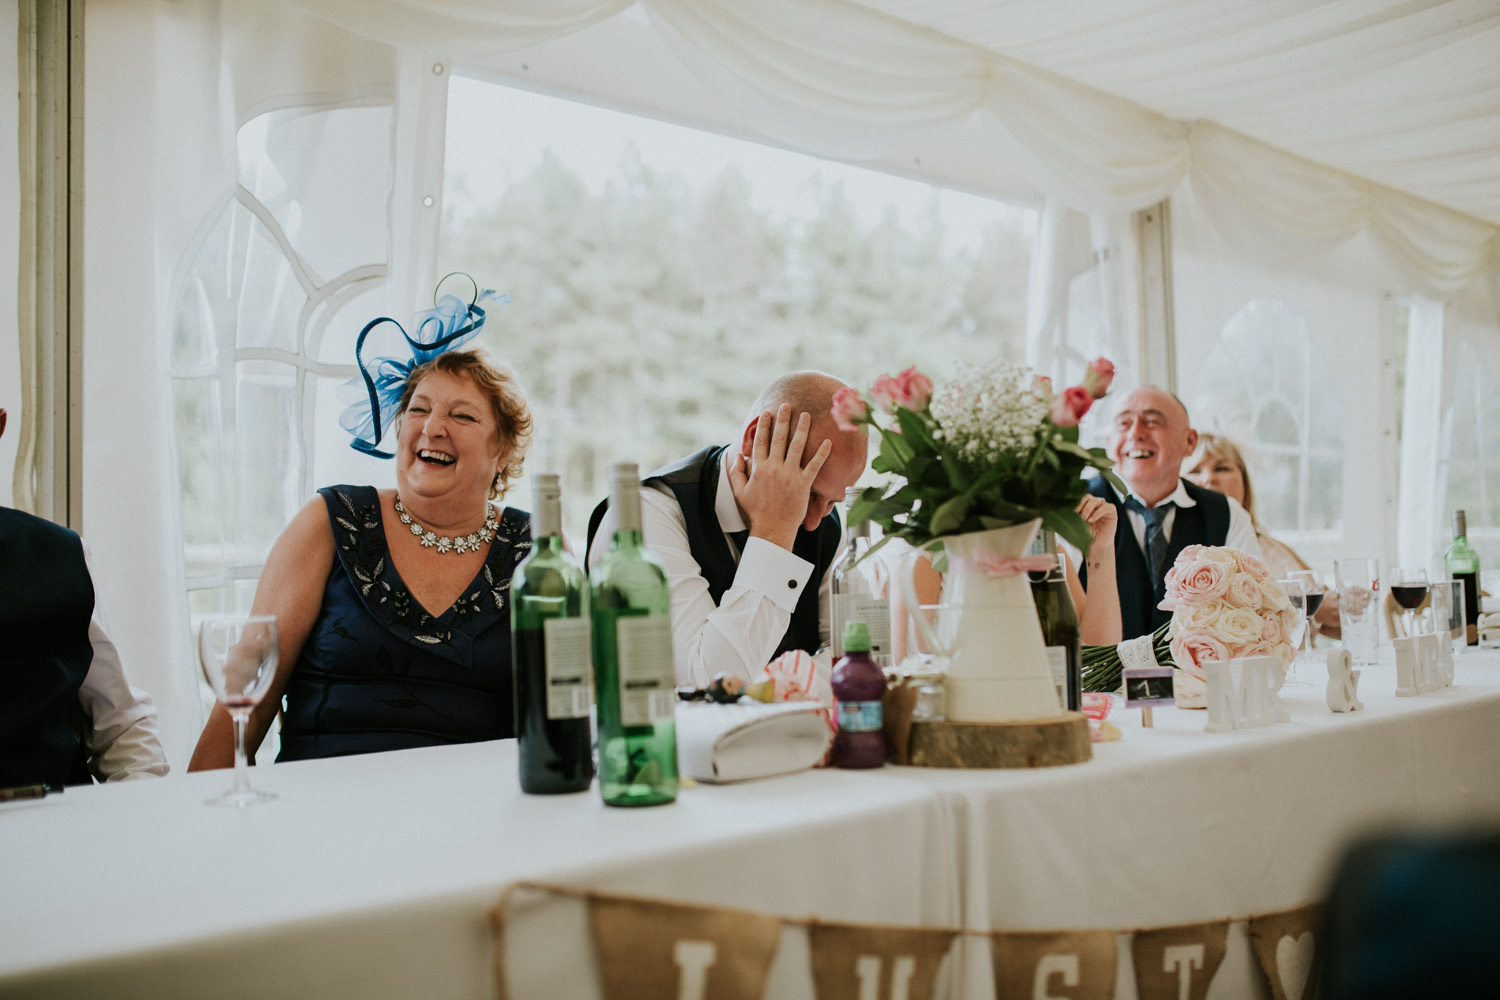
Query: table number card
{"type": "Point", "coordinates": [1342, 693]}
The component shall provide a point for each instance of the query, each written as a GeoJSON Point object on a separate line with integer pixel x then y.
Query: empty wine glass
{"type": "Point", "coordinates": [1409, 590]}
{"type": "Point", "coordinates": [238, 655]}
{"type": "Point", "coordinates": [1296, 592]}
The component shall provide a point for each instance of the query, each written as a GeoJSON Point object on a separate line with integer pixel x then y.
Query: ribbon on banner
{"type": "Point", "coordinates": [1079, 965]}
{"type": "Point", "coordinates": [852, 963]}
{"type": "Point", "coordinates": [1178, 963]}
{"type": "Point", "coordinates": [652, 949]}
{"type": "Point", "coordinates": [1285, 945]}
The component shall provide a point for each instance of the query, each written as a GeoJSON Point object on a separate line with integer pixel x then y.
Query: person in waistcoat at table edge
{"type": "Point", "coordinates": [747, 531]}
{"type": "Point", "coordinates": [1149, 436]}
{"type": "Point", "coordinates": [68, 716]}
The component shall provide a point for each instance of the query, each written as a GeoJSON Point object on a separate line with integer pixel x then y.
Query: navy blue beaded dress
{"type": "Point", "coordinates": [377, 672]}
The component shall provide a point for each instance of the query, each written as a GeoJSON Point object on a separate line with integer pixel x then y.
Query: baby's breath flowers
{"type": "Point", "coordinates": [991, 447]}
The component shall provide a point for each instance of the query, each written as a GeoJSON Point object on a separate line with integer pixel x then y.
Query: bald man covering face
{"type": "Point", "coordinates": [1148, 439]}
{"type": "Point", "coordinates": [748, 534]}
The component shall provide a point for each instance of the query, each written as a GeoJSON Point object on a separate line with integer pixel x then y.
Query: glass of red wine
{"type": "Point", "coordinates": [1296, 592]}
{"type": "Point", "coordinates": [1312, 600]}
{"type": "Point", "coordinates": [1409, 590]}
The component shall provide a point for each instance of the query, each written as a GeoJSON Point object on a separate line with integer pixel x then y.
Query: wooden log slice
{"type": "Point", "coordinates": [1041, 743]}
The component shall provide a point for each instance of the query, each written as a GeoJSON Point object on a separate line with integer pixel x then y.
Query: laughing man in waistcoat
{"type": "Point", "coordinates": [67, 716]}
{"type": "Point", "coordinates": [1148, 440]}
{"type": "Point", "coordinates": [748, 532]}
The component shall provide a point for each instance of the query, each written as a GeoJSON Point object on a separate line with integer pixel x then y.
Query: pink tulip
{"type": "Point", "coordinates": [849, 410]}
{"type": "Point", "coordinates": [1070, 405]}
{"type": "Point", "coordinates": [1098, 376]}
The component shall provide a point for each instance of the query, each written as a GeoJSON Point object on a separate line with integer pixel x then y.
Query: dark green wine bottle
{"type": "Point", "coordinates": [633, 659]}
{"type": "Point", "coordinates": [550, 650]}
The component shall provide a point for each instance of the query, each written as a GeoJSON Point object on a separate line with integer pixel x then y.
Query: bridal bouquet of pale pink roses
{"type": "Point", "coordinates": [1224, 605]}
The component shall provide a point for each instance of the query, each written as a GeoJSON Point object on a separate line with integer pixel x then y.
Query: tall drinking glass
{"type": "Point", "coordinates": [1358, 583]}
{"type": "Point", "coordinates": [1296, 592]}
{"type": "Point", "coordinates": [238, 655]}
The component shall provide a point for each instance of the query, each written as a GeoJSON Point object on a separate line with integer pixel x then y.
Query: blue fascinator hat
{"type": "Point", "coordinates": [377, 389]}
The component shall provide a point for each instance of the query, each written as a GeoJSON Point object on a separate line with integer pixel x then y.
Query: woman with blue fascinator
{"type": "Point", "coordinates": [393, 605]}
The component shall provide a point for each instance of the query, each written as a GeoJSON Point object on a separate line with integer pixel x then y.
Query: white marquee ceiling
{"type": "Point", "coordinates": [1405, 93]}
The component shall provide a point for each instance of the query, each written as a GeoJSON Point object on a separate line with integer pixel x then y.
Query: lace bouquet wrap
{"type": "Point", "coordinates": [1224, 605]}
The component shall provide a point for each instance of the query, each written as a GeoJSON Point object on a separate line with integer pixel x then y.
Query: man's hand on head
{"type": "Point", "coordinates": [772, 484]}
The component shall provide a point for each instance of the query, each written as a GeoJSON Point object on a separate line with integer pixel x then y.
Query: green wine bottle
{"type": "Point", "coordinates": [1462, 563]}
{"type": "Point", "coordinates": [550, 651]}
{"type": "Point", "coordinates": [633, 659]}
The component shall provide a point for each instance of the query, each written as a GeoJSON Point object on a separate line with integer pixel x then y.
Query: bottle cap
{"type": "Point", "coordinates": [546, 486]}
{"type": "Point", "coordinates": [1460, 524]}
{"type": "Point", "coordinates": [856, 637]}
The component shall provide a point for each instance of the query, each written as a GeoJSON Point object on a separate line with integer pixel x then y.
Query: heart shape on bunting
{"type": "Point", "coordinates": [1294, 964]}
{"type": "Point", "coordinates": [1286, 946]}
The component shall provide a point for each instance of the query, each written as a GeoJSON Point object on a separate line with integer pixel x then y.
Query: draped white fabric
{"type": "Point", "coordinates": [1042, 91]}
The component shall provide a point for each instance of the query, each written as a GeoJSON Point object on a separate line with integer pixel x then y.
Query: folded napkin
{"type": "Point", "coordinates": [749, 739]}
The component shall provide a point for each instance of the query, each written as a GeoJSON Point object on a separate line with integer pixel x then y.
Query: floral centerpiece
{"type": "Point", "coordinates": [1224, 605]}
{"type": "Point", "coordinates": [978, 462]}
{"type": "Point", "coordinates": [992, 447]}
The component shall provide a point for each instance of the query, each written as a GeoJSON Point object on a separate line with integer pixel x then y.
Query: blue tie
{"type": "Point", "coordinates": [1156, 542]}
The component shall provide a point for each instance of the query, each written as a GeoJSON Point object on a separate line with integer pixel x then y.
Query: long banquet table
{"type": "Point", "coordinates": [372, 876]}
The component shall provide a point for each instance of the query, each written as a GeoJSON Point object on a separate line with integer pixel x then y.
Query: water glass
{"type": "Point", "coordinates": [1358, 583]}
{"type": "Point", "coordinates": [1448, 611]}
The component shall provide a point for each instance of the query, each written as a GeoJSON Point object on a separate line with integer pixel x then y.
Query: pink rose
{"type": "Point", "coordinates": [1271, 631]}
{"type": "Point", "coordinates": [1098, 376]}
{"type": "Point", "coordinates": [1188, 555]}
{"type": "Point", "coordinates": [1197, 583]}
{"type": "Point", "coordinates": [1250, 564]}
{"type": "Point", "coordinates": [1194, 647]}
{"type": "Point", "coordinates": [1243, 591]}
{"type": "Point", "coordinates": [1041, 387]}
{"type": "Point", "coordinates": [1069, 406]}
{"type": "Point", "coordinates": [849, 409]}
{"type": "Point", "coordinates": [886, 393]}
{"type": "Point", "coordinates": [914, 390]}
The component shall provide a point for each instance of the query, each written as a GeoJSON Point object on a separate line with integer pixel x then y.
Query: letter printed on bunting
{"type": "Point", "coordinates": [1051, 965]}
{"type": "Point", "coordinates": [651, 949]}
{"type": "Point", "coordinates": [1178, 963]}
{"type": "Point", "coordinates": [876, 963]}
{"type": "Point", "coordinates": [1284, 944]}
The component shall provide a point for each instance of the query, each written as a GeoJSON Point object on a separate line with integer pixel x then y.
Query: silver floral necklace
{"type": "Point", "coordinates": [453, 543]}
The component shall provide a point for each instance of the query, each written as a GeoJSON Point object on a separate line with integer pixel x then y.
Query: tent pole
{"type": "Point", "coordinates": [1157, 349]}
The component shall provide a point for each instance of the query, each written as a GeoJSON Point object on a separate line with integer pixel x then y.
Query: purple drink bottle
{"type": "Point", "coordinates": [859, 685]}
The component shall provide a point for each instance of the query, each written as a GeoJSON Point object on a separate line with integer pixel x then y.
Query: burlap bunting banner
{"type": "Point", "coordinates": [649, 950]}
{"type": "Point", "coordinates": [1178, 963]}
{"type": "Point", "coordinates": [1285, 945]}
{"type": "Point", "coordinates": [1079, 965]}
{"type": "Point", "coordinates": [854, 963]}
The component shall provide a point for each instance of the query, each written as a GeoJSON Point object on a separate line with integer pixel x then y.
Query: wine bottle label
{"type": "Point", "coordinates": [570, 686]}
{"type": "Point", "coordinates": [644, 645]}
{"type": "Point", "coordinates": [1057, 659]}
{"type": "Point", "coordinates": [873, 611]}
{"type": "Point", "coordinates": [859, 717]}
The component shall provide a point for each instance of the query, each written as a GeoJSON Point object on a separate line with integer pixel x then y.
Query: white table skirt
{"type": "Point", "coordinates": [371, 876]}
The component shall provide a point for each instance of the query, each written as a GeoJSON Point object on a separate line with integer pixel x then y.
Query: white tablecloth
{"type": "Point", "coordinates": [371, 876]}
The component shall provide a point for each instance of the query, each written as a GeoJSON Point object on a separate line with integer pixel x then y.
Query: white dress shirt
{"type": "Point", "coordinates": [123, 739]}
{"type": "Point", "coordinates": [740, 634]}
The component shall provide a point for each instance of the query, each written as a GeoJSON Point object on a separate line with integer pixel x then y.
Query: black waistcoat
{"type": "Point", "coordinates": [694, 482]}
{"type": "Point", "coordinates": [1207, 523]}
{"type": "Point", "coordinates": [46, 600]}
